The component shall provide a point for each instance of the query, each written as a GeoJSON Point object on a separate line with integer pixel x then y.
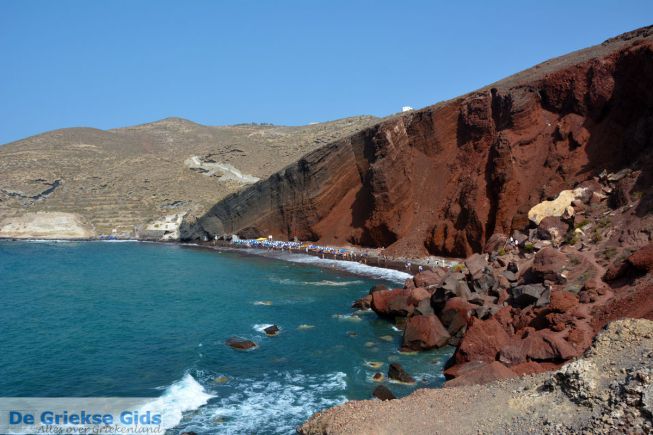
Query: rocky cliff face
{"type": "Point", "coordinates": [443, 179]}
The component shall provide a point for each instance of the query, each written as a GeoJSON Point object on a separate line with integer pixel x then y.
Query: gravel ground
{"type": "Point", "coordinates": [609, 390]}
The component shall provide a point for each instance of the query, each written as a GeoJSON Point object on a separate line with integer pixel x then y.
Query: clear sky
{"type": "Point", "coordinates": [109, 64]}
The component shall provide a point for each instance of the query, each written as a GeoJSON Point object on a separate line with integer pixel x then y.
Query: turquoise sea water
{"type": "Point", "coordinates": [139, 319]}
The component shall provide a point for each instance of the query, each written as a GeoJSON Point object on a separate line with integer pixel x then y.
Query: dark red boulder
{"type": "Point", "coordinates": [542, 345]}
{"type": "Point", "coordinates": [482, 342]}
{"type": "Point", "coordinates": [429, 278]}
{"type": "Point", "coordinates": [392, 303]}
{"type": "Point", "coordinates": [383, 393]}
{"type": "Point", "coordinates": [642, 259]}
{"type": "Point", "coordinates": [548, 264]}
{"type": "Point", "coordinates": [424, 332]}
{"type": "Point", "coordinates": [456, 314]}
{"type": "Point", "coordinates": [240, 343]}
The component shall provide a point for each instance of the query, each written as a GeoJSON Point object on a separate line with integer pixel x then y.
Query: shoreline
{"type": "Point", "coordinates": [364, 256]}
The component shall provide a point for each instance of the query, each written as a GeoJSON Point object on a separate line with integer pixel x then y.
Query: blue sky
{"type": "Point", "coordinates": [108, 64]}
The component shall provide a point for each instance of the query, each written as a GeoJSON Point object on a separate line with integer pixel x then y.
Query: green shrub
{"type": "Point", "coordinates": [581, 224]}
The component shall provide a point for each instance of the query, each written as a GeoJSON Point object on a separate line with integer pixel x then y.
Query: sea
{"type": "Point", "coordinates": [133, 319]}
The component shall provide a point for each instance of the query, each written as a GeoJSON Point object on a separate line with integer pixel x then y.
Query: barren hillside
{"type": "Point", "coordinates": [127, 177]}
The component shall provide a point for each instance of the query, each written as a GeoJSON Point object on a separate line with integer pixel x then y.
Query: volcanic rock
{"type": "Point", "coordinates": [392, 303]}
{"type": "Point", "coordinates": [496, 242]}
{"type": "Point", "coordinates": [424, 332]}
{"type": "Point", "coordinates": [476, 264]}
{"type": "Point", "coordinates": [451, 287]}
{"type": "Point", "coordinates": [271, 330]}
{"type": "Point", "coordinates": [383, 393]}
{"type": "Point", "coordinates": [240, 343]}
{"type": "Point", "coordinates": [548, 264]}
{"type": "Point", "coordinates": [530, 294]}
{"type": "Point", "coordinates": [552, 228]}
{"type": "Point", "coordinates": [363, 303]}
{"type": "Point", "coordinates": [417, 295]}
{"type": "Point", "coordinates": [429, 278]}
{"type": "Point", "coordinates": [642, 259]}
{"type": "Point", "coordinates": [562, 301]}
{"type": "Point", "coordinates": [397, 373]}
{"type": "Point", "coordinates": [456, 314]}
{"type": "Point", "coordinates": [542, 345]}
{"type": "Point", "coordinates": [483, 341]}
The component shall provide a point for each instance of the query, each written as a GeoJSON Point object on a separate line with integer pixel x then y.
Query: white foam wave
{"type": "Point", "coordinates": [349, 266]}
{"type": "Point", "coordinates": [324, 282]}
{"type": "Point", "coordinates": [48, 241]}
{"type": "Point", "coordinates": [275, 403]}
{"type": "Point", "coordinates": [261, 326]}
{"type": "Point", "coordinates": [184, 395]}
{"type": "Point", "coordinates": [118, 241]}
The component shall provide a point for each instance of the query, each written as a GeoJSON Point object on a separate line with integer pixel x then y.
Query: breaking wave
{"type": "Point", "coordinates": [184, 395]}
{"type": "Point", "coordinates": [275, 403]}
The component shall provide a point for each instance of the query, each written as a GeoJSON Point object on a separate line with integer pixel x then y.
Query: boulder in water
{"type": "Point", "coordinates": [271, 331]}
{"type": "Point", "coordinates": [397, 373]}
{"type": "Point", "coordinates": [240, 343]}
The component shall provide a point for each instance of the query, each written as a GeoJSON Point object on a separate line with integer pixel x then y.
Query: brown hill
{"type": "Point", "coordinates": [443, 179]}
{"type": "Point", "coordinates": [124, 178]}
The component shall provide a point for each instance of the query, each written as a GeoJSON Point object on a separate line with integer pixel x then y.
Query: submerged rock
{"type": "Point", "coordinates": [378, 377]}
{"type": "Point", "coordinates": [271, 331]}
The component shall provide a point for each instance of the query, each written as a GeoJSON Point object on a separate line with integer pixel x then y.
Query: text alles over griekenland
{"type": "Point", "coordinates": [85, 418]}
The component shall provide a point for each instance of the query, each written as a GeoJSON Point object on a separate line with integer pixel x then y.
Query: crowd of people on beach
{"type": "Point", "coordinates": [370, 256]}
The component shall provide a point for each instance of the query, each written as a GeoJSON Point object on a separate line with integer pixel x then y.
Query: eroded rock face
{"type": "Point", "coordinates": [46, 225]}
{"type": "Point", "coordinates": [444, 179]}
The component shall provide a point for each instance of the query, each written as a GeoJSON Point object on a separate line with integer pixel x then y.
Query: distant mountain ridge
{"type": "Point", "coordinates": [125, 178]}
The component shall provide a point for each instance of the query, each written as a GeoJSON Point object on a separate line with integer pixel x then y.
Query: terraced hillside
{"type": "Point", "coordinates": [119, 181]}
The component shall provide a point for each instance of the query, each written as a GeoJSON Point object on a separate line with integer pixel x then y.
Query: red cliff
{"type": "Point", "coordinates": [443, 179]}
